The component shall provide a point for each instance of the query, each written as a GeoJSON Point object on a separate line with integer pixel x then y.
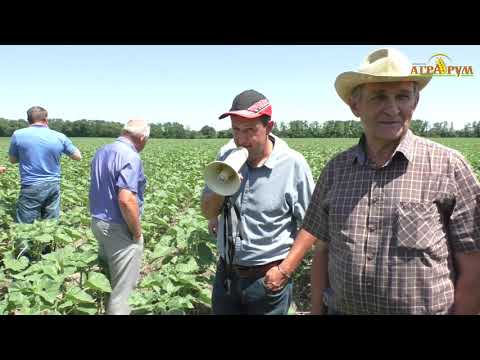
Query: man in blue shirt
{"type": "Point", "coordinates": [116, 204]}
{"type": "Point", "coordinates": [37, 149]}
{"type": "Point", "coordinates": [267, 210]}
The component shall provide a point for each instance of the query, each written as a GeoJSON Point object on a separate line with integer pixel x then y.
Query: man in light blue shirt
{"type": "Point", "coordinates": [267, 211]}
{"type": "Point", "coordinates": [38, 149]}
{"type": "Point", "coordinates": [115, 166]}
{"type": "Point", "coordinates": [116, 204]}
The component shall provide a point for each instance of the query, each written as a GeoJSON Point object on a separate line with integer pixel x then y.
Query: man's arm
{"type": "Point", "coordinates": [77, 155]}
{"type": "Point", "coordinates": [464, 239]}
{"type": "Point", "coordinates": [211, 204]}
{"type": "Point", "coordinates": [130, 212]}
{"type": "Point", "coordinates": [13, 150]}
{"type": "Point", "coordinates": [276, 277]}
{"type": "Point", "coordinates": [467, 287]}
{"type": "Point", "coordinates": [319, 277]}
{"type": "Point", "coordinates": [213, 226]}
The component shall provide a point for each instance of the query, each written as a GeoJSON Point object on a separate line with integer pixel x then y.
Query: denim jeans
{"type": "Point", "coordinates": [39, 201]}
{"type": "Point", "coordinates": [248, 296]}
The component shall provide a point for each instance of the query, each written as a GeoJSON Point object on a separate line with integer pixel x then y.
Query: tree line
{"type": "Point", "coordinates": [353, 129]}
{"type": "Point", "coordinates": [292, 129]}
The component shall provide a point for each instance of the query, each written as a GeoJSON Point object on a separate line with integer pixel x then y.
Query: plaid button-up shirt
{"type": "Point", "coordinates": [392, 231]}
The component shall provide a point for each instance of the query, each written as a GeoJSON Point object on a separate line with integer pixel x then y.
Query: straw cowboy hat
{"type": "Point", "coordinates": [382, 65]}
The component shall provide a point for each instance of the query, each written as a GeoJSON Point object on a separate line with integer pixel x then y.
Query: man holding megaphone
{"type": "Point", "coordinates": [259, 189]}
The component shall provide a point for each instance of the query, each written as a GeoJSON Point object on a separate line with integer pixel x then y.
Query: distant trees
{"type": "Point", "coordinates": [419, 127]}
{"type": "Point", "coordinates": [208, 132]}
{"type": "Point", "coordinates": [292, 129]}
{"type": "Point", "coordinates": [7, 127]}
{"type": "Point", "coordinates": [353, 129]}
{"type": "Point", "coordinates": [470, 130]}
{"type": "Point", "coordinates": [330, 128]}
{"type": "Point", "coordinates": [86, 128]}
{"type": "Point", "coordinates": [225, 134]}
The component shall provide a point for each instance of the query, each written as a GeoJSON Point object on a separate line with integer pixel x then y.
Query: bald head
{"type": "Point", "coordinates": [137, 129]}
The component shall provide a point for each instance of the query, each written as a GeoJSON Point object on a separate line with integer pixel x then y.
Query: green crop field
{"type": "Point", "coordinates": [179, 257]}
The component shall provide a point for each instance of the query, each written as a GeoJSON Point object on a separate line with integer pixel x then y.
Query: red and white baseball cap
{"type": "Point", "coordinates": [249, 104]}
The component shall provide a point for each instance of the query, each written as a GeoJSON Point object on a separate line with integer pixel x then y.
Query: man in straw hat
{"type": "Point", "coordinates": [396, 217]}
{"type": "Point", "coordinates": [254, 275]}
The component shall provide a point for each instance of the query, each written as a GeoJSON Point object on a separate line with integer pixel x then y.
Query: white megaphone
{"type": "Point", "coordinates": [222, 176]}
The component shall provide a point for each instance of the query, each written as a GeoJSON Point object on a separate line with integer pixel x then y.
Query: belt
{"type": "Point", "coordinates": [251, 272]}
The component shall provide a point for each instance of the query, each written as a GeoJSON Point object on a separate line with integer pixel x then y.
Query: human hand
{"type": "Point", "coordinates": [2, 169]}
{"type": "Point", "coordinates": [274, 279]}
{"type": "Point", "coordinates": [139, 239]}
{"type": "Point", "coordinates": [212, 226]}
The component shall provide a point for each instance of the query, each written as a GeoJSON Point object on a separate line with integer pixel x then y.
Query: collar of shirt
{"type": "Point", "coordinates": [39, 125]}
{"type": "Point", "coordinates": [278, 146]}
{"type": "Point", "coordinates": [405, 148]}
{"type": "Point", "coordinates": [127, 142]}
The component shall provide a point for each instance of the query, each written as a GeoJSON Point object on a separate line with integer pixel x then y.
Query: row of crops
{"type": "Point", "coordinates": [62, 275]}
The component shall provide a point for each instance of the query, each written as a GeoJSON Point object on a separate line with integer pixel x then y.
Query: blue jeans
{"type": "Point", "coordinates": [38, 201]}
{"type": "Point", "coordinates": [248, 296]}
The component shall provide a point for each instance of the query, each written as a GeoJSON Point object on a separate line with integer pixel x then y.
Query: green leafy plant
{"type": "Point", "coordinates": [59, 271]}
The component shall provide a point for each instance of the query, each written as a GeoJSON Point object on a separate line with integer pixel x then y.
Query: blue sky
{"type": "Point", "coordinates": [193, 84]}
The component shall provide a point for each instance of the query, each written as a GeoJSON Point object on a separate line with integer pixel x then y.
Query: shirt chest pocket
{"type": "Point", "coordinates": [416, 225]}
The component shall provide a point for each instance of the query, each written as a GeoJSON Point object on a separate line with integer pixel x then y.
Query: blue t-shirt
{"type": "Point", "coordinates": [38, 150]}
{"type": "Point", "coordinates": [114, 166]}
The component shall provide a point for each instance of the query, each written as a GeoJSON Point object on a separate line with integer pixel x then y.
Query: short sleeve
{"type": "Point", "coordinates": [316, 218]}
{"type": "Point", "coordinates": [68, 147]}
{"type": "Point", "coordinates": [128, 177]}
{"type": "Point", "coordinates": [304, 188]}
{"type": "Point", "coordinates": [464, 224]}
{"type": "Point", "coordinates": [13, 150]}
